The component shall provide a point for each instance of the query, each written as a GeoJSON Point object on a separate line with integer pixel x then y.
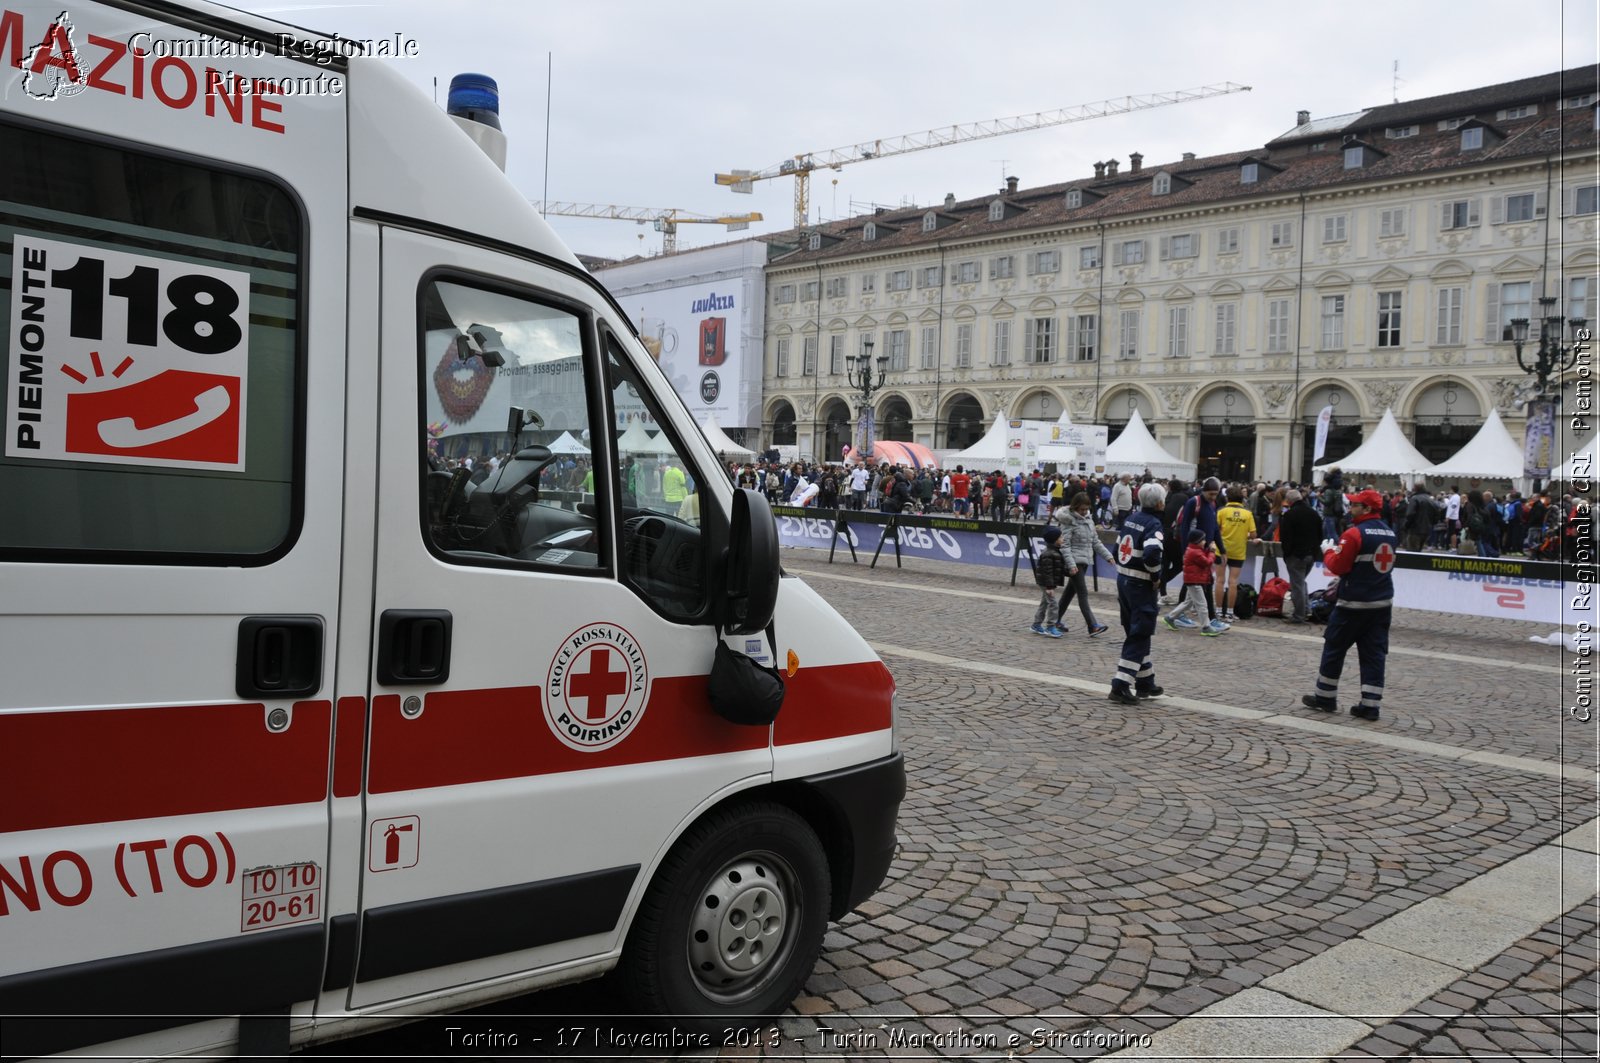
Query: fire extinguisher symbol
{"type": "Point", "coordinates": [395, 843]}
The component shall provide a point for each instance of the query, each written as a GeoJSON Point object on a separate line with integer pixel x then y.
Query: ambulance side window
{"type": "Point", "coordinates": [154, 358]}
{"type": "Point", "coordinates": [508, 475]}
{"type": "Point", "coordinates": [661, 542]}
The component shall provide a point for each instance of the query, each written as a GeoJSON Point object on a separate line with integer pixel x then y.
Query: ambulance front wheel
{"type": "Point", "coordinates": [732, 925]}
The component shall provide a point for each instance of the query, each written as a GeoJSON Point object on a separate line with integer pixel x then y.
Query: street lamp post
{"type": "Point", "coordinates": [1551, 359]}
{"type": "Point", "coordinates": [858, 371]}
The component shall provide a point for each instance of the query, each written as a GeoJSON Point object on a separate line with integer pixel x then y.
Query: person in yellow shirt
{"type": "Point", "coordinates": [1237, 526]}
{"type": "Point", "coordinates": [674, 489]}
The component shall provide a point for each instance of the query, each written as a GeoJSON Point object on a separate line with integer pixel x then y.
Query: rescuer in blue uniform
{"type": "Point", "coordinates": [1362, 558]}
{"type": "Point", "coordinates": [1138, 558]}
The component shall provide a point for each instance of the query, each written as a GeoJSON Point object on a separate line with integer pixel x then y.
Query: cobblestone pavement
{"type": "Point", "coordinates": [1077, 877]}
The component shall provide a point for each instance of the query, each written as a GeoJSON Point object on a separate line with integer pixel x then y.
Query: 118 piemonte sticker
{"type": "Point", "coordinates": [126, 359]}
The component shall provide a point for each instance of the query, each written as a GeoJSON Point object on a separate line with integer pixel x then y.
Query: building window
{"type": "Point", "coordinates": [930, 277]}
{"type": "Point", "coordinates": [1354, 156]}
{"type": "Point", "coordinates": [1454, 123]}
{"type": "Point", "coordinates": [1177, 332]}
{"type": "Point", "coordinates": [1459, 214]}
{"type": "Point", "coordinates": [1586, 199]}
{"type": "Point", "coordinates": [1039, 340]}
{"type": "Point", "coordinates": [815, 242]}
{"type": "Point", "coordinates": [811, 291]}
{"type": "Point", "coordinates": [1045, 262]}
{"type": "Point", "coordinates": [930, 222]}
{"type": "Point", "coordinates": [1128, 336]}
{"type": "Point", "coordinates": [835, 355]}
{"type": "Point", "coordinates": [838, 287]}
{"type": "Point", "coordinates": [1278, 326]}
{"type": "Point", "coordinates": [1075, 199]}
{"type": "Point", "coordinates": [808, 356]}
{"type": "Point", "coordinates": [899, 349]}
{"type": "Point", "coordinates": [1249, 173]}
{"type": "Point", "coordinates": [1333, 229]}
{"type": "Point", "coordinates": [1001, 354]}
{"type": "Point", "coordinates": [1128, 253]}
{"type": "Point", "coordinates": [1400, 132]}
{"type": "Point", "coordinates": [1392, 222]}
{"type": "Point", "coordinates": [1448, 333]}
{"type": "Point", "coordinates": [1184, 245]}
{"type": "Point", "coordinates": [930, 348]}
{"type": "Point", "coordinates": [1472, 139]}
{"type": "Point", "coordinates": [997, 211]}
{"type": "Point", "coordinates": [782, 368]}
{"type": "Point", "coordinates": [869, 231]}
{"type": "Point", "coordinates": [1516, 300]}
{"type": "Point", "coordinates": [963, 346]}
{"type": "Point", "coordinates": [1228, 242]}
{"type": "Point", "coordinates": [1001, 268]}
{"type": "Point", "coordinates": [1281, 234]}
{"type": "Point", "coordinates": [1227, 328]}
{"type": "Point", "coordinates": [1083, 337]}
{"type": "Point", "coordinates": [900, 280]}
{"type": "Point", "coordinates": [1572, 103]}
{"type": "Point", "coordinates": [1089, 257]}
{"type": "Point", "coordinates": [1389, 319]}
{"type": "Point", "coordinates": [1578, 298]}
{"type": "Point", "coordinates": [1161, 184]}
{"type": "Point", "coordinates": [1519, 112]}
{"type": "Point", "coordinates": [967, 272]}
{"type": "Point", "coordinates": [785, 294]}
{"type": "Point", "coordinates": [869, 283]}
{"type": "Point", "coordinates": [1332, 323]}
{"type": "Point", "coordinates": [1519, 207]}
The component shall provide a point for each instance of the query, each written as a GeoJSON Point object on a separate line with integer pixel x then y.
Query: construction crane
{"type": "Point", "coordinates": [800, 166]}
{"type": "Point", "coordinates": [665, 219]}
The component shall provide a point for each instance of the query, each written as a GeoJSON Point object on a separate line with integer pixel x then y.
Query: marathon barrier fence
{"type": "Point", "coordinates": [1504, 587]}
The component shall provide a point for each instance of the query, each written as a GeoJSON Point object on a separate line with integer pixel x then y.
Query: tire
{"type": "Point", "coordinates": [689, 954]}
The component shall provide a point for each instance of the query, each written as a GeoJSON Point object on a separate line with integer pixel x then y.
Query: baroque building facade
{"type": "Point", "coordinates": [1368, 261]}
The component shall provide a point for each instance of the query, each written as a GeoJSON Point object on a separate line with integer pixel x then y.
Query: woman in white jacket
{"type": "Point", "coordinates": [1080, 543]}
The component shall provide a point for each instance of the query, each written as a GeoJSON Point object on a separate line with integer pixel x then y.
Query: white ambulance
{"type": "Point", "coordinates": [353, 659]}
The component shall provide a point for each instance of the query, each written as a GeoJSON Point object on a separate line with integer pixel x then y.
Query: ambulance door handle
{"type": "Point", "coordinates": [414, 646]}
{"type": "Point", "coordinates": [278, 657]}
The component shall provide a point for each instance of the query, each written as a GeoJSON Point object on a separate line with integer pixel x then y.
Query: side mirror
{"type": "Point", "coordinates": [750, 565]}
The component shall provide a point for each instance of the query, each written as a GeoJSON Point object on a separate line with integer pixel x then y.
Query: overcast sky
{"type": "Point", "coordinates": [650, 99]}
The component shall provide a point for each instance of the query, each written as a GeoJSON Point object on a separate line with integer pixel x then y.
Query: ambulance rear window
{"type": "Point", "coordinates": [152, 360]}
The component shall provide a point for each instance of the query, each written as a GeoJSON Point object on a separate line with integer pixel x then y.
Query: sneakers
{"type": "Point", "coordinates": [1216, 627]}
{"type": "Point", "coordinates": [1166, 599]}
{"type": "Point", "coordinates": [1180, 623]}
{"type": "Point", "coordinates": [1311, 701]}
{"type": "Point", "coordinates": [1151, 692]}
{"type": "Point", "coordinates": [1363, 712]}
{"type": "Point", "coordinates": [1098, 629]}
{"type": "Point", "coordinates": [1122, 696]}
{"type": "Point", "coordinates": [1038, 629]}
{"type": "Point", "coordinates": [1057, 630]}
{"type": "Point", "coordinates": [1227, 614]}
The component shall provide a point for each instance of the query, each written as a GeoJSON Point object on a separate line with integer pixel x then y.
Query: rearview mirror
{"type": "Point", "coordinates": [750, 565]}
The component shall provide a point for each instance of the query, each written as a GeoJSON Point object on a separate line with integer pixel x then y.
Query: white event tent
{"type": "Point", "coordinates": [1387, 453]}
{"type": "Point", "coordinates": [1491, 455]}
{"type": "Point", "coordinates": [724, 446]}
{"type": "Point", "coordinates": [566, 444]}
{"type": "Point", "coordinates": [1136, 451]}
{"type": "Point", "coordinates": [638, 441]}
{"type": "Point", "coordinates": [987, 453]}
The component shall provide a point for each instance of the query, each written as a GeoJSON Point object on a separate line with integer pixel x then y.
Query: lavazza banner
{"type": "Point", "coordinates": [1508, 588]}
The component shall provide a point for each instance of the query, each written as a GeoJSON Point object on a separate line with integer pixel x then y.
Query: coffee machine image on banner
{"type": "Point", "coordinates": [713, 340]}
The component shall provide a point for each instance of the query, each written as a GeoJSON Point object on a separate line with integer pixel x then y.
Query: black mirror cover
{"type": "Point", "coordinates": [750, 568]}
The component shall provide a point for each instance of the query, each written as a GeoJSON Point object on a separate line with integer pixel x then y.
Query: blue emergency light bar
{"type": "Point", "coordinates": [474, 98]}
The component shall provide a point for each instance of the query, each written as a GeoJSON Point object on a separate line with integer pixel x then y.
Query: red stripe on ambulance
{"type": "Point", "coordinates": [835, 701]}
{"type": "Point", "coordinates": [105, 765]}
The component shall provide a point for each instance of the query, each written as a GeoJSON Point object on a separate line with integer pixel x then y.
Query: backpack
{"type": "Point", "coordinates": [772, 481]}
{"type": "Point", "coordinates": [1244, 602]}
{"type": "Point", "coordinates": [1320, 603]}
{"type": "Point", "coordinates": [1270, 601]}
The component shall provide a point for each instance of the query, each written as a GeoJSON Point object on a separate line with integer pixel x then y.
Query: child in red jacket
{"type": "Point", "coordinates": [1197, 561]}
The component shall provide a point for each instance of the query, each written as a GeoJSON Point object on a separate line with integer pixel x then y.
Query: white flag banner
{"type": "Point", "coordinates": [1323, 420]}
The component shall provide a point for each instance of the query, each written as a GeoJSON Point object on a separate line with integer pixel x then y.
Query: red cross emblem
{"type": "Point", "coordinates": [1383, 557]}
{"type": "Point", "coordinates": [598, 682]}
{"type": "Point", "coordinates": [1124, 549]}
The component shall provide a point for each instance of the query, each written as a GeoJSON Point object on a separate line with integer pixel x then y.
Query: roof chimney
{"type": "Point", "coordinates": [1135, 162]}
{"type": "Point", "coordinates": [1011, 184]}
{"type": "Point", "coordinates": [949, 200]}
{"type": "Point", "coordinates": [1099, 170]}
{"type": "Point", "coordinates": [1188, 156]}
{"type": "Point", "coordinates": [1111, 167]}
{"type": "Point", "coordinates": [1302, 118]}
